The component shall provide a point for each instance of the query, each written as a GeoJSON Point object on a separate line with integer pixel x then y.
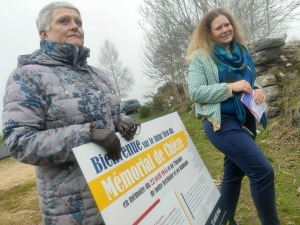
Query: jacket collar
{"type": "Point", "coordinates": [65, 52]}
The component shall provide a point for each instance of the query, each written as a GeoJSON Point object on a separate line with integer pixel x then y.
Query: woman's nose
{"type": "Point", "coordinates": [225, 29]}
{"type": "Point", "coordinates": [74, 25]}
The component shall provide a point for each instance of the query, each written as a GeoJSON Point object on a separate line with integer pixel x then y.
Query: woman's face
{"type": "Point", "coordinates": [221, 30]}
{"type": "Point", "coordinates": [65, 26]}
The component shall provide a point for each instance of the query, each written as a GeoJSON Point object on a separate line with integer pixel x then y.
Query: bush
{"type": "Point", "coordinates": [144, 112]}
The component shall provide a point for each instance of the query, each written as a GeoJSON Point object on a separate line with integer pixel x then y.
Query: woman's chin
{"type": "Point", "coordinates": [79, 44]}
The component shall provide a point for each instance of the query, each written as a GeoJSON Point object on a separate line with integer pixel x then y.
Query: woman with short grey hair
{"type": "Point", "coordinates": [54, 101]}
{"type": "Point", "coordinates": [44, 17]}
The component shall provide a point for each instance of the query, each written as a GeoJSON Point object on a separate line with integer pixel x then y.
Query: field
{"type": "Point", "coordinates": [19, 202]}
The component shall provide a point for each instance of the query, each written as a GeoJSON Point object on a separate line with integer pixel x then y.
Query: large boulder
{"type": "Point", "coordinates": [260, 69]}
{"type": "Point", "coordinates": [266, 80]}
{"type": "Point", "coordinates": [273, 93]}
{"type": "Point", "coordinates": [266, 56]}
{"type": "Point", "coordinates": [272, 111]}
{"type": "Point", "coordinates": [267, 42]}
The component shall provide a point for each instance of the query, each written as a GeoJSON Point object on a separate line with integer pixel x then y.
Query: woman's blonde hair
{"type": "Point", "coordinates": [202, 39]}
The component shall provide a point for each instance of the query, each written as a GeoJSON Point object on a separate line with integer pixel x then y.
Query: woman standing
{"type": "Point", "coordinates": [54, 101]}
{"type": "Point", "coordinates": [220, 71]}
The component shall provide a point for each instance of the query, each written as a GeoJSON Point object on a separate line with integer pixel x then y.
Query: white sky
{"type": "Point", "coordinates": [115, 20]}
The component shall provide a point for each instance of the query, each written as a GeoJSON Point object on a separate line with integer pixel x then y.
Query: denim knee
{"type": "Point", "coordinates": [232, 173]}
{"type": "Point", "coordinates": [263, 177]}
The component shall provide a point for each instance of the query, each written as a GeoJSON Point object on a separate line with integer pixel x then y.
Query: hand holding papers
{"type": "Point", "coordinates": [256, 109]}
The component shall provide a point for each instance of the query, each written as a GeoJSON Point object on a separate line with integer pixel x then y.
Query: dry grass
{"type": "Point", "coordinates": [18, 194]}
{"type": "Point", "coordinates": [13, 173]}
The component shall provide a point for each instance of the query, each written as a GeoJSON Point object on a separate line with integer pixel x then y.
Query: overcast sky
{"type": "Point", "coordinates": [115, 20]}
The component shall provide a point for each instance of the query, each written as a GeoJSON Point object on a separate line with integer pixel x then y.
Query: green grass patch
{"type": "Point", "coordinates": [285, 161]}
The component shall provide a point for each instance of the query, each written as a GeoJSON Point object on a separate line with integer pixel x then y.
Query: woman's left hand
{"type": "Point", "coordinates": [259, 96]}
{"type": "Point", "coordinates": [128, 128]}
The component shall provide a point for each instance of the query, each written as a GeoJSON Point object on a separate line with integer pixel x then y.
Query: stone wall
{"type": "Point", "coordinates": [264, 53]}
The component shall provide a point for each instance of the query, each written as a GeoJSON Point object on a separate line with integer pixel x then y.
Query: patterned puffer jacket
{"type": "Point", "coordinates": [52, 100]}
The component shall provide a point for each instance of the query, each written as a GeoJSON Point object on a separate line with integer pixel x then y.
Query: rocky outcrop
{"type": "Point", "coordinates": [265, 52]}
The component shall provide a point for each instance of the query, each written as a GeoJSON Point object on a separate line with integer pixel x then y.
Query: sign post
{"type": "Point", "coordinates": [160, 179]}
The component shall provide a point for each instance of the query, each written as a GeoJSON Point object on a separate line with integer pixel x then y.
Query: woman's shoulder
{"type": "Point", "coordinates": [196, 54]}
{"type": "Point", "coordinates": [99, 72]}
{"type": "Point", "coordinates": [199, 56]}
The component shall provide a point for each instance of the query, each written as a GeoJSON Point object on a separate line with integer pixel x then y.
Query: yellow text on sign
{"type": "Point", "coordinates": [112, 185]}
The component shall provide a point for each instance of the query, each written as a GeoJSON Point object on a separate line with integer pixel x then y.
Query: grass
{"type": "Point", "coordinates": [285, 160]}
{"type": "Point", "coordinates": [19, 204]}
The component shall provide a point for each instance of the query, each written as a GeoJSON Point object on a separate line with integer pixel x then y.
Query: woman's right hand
{"type": "Point", "coordinates": [241, 85]}
{"type": "Point", "coordinates": [109, 140]}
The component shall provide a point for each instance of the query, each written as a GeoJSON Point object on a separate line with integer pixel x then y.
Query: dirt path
{"type": "Point", "coordinates": [13, 173]}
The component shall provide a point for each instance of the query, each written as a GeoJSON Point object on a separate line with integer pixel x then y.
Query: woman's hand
{"type": "Point", "coordinates": [259, 96]}
{"type": "Point", "coordinates": [109, 140]}
{"type": "Point", "coordinates": [241, 85]}
{"type": "Point", "coordinates": [128, 128]}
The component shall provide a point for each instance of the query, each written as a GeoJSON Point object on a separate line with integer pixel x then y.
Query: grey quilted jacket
{"type": "Point", "coordinates": [50, 102]}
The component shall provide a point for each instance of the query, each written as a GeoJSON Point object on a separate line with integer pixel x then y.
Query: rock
{"type": "Point", "coordinates": [266, 80]}
{"type": "Point", "coordinates": [288, 64]}
{"type": "Point", "coordinates": [260, 69]}
{"type": "Point", "coordinates": [296, 117]}
{"type": "Point", "coordinates": [272, 111]}
{"type": "Point", "coordinates": [283, 58]}
{"type": "Point", "coordinates": [267, 42]}
{"type": "Point", "coordinates": [273, 93]}
{"type": "Point", "coordinates": [281, 74]}
{"type": "Point", "coordinates": [266, 56]}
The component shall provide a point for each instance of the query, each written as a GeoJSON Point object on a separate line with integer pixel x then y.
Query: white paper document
{"type": "Point", "coordinates": [256, 109]}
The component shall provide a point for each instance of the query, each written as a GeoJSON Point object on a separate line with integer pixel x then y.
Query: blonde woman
{"type": "Point", "coordinates": [220, 71]}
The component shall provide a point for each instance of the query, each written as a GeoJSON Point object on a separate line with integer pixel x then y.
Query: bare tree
{"type": "Point", "coordinates": [168, 25]}
{"type": "Point", "coordinates": [165, 42]}
{"type": "Point", "coordinates": [120, 76]}
{"type": "Point", "coordinates": [261, 18]}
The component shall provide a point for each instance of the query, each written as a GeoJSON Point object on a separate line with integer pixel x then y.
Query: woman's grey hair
{"type": "Point", "coordinates": [44, 18]}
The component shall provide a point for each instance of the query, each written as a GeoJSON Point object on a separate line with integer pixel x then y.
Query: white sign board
{"type": "Point", "coordinates": [160, 179]}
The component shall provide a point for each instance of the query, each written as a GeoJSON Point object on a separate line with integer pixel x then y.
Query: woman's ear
{"type": "Point", "coordinates": [43, 34]}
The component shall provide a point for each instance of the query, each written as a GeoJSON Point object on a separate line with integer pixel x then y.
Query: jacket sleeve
{"type": "Point", "coordinates": [24, 132]}
{"type": "Point", "coordinates": [203, 83]}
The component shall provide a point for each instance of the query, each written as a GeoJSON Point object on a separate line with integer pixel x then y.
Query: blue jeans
{"type": "Point", "coordinates": [243, 157]}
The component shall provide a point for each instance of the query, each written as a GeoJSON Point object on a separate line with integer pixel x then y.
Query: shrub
{"type": "Point", "coordinates": [144, 112]}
